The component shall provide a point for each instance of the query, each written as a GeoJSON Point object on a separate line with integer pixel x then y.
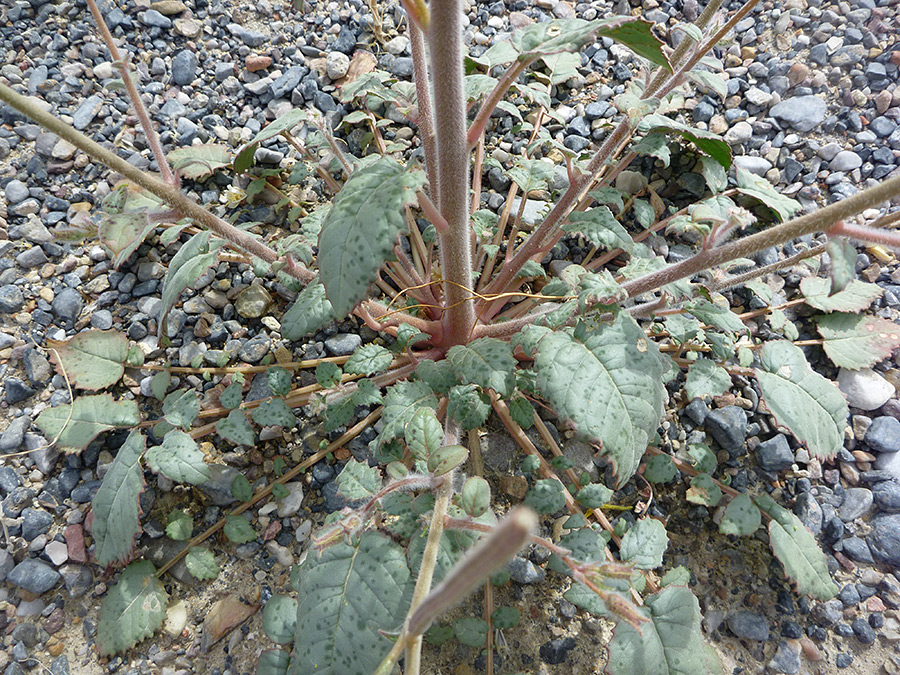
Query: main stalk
{"type": "Point", "coordinates": [445, 48]}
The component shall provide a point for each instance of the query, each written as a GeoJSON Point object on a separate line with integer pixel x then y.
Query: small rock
{"type": "Point", "coordinates": [786, 658]}
{"type": "Point", "coordinates": [336, 65]}
{"type": "Point", "coordinates": [218, 487]}
{"type": "Point", "coordinates": [184, 67]}
{"type": "Point", "coordinates": [846, 160]}
{"type": "Point", "coordinates": [556, 651]}
{"type": "Point", "coordinates": [253, 302]}
{"type": "Point", "coordinates": [343, 344]}
{"type": "Point", "coordinates": [255, 62]}
{"type": "Point", "coordinates": [523, 571]}
{"type": "Point", "coordinates": [87, 111]}
{"type": "Point", "coordinates": [11, 299]}
{"type": "Point", "coordinates": [169, 7]}
{"type": "Point", "coordinates": [827, 613]}
{"type": "Point", "coordinates": [884, 540]}
{"type": "Point", "coordinates": [34, 576]}
{"type": "Point", "coordinates": [857, 502]}
{"type": "Point", "coordinates": [57, 552]}
{"type": "Point", "coordinates": [775, 454]}
{"type": "Point", "coordinates": [802, 113]}
{"type": "Point", "coordinates": [68, 304]}
{"type": "Point", "coordinates": [740, 133]}
{"type": "Point", "coordinates": [865, 389]}
{"type": "Point", "coordinates": [38, 368]}
{"type": "Point", "coordinates": [748, 625]}
{"type": "Point", "coordinates": [16, 390]}
{"type": "Point", "coordinates": [886, 496]}
{"type": "Point", "coordinates": [863, 631]}
{"type": "Point", "coordinates": [16, 191]}
{"type": "Point", "coordinates": [883, 435]}
{"type": "Point", "coordinates": [289, 506]}
{"type": "Point", "coordinates": [728, 426]}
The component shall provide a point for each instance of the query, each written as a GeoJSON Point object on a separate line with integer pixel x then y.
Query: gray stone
{"type": "Point", "coordinates": [846, 160]}
{"type": "Point", "coordinates": [35, 522]}
{"type": "Point", "coordinates": [775, 454]}
{"type": "Point", "coordinates": [31, 257]}
{"type": "Point", "coordinates": [37, 367]}
{"type": "Point", "coordinates": [886, 496]}
{"type": "Point", "coordinates": [289, 506]}
{"type": "Point", "coordinates": [77, 579]}
{"type": "Point", "coordinates": [755, 165]}
{"type": "Point", "coordinates": [889, 463]}
{"type": "Point", "coordinates": [11, 299]}
{"type": "Point", "coordinates": [86, 112]}
{"type": "Point", "coordinates": [153, 18]}
{"type": "Point", "coordinates": [336, 65]}
{"type": "Point", "coordinates": [184, 67]}
{"type": "Point", "coordinates": [16, 191]}
{"type": "Point", "coordinates": [9, 480]}
{"type": "Point", "coordinates": [865, 389]}
{"type": "Point", "coordinates": [739, 133]}
{"type": "Point", "coordinates": [7, 562]}
{"type": "Point", "coordinates": [802, 113]}
{"type": "Point", "coordinates": [534, 212]}
{"type": "Point", "coordinates": [748, 625]}
{"type": "Point", "coordinates": [14, 435]}
{"type": "Point", "coordinates": [16, 390]}
{"type": "Point", "coordinates": [827, 613]}
{"type": "Point", "coordinates": [728, 426]}
{"type": "Point", "coordinates": [251, 38]}
{"type": "Point", "coordinates": [884, 540]}
{"type": "Point", "coordinates": [68, 304]}
{"type": "Point", "coordinates": [34, 576]}
{"type": "Point", "coordinates": [523, 571]}
{"type": "Point", "coordinates": [254, 349]}
{"type": "Point", "coordinates": [218, 487]}
{"type": "Point", "coordinates": [787, 658]}
{"type": "Point", "coordinates": [345, 41]}
{"type": "Point", "coordinates": [882, 126]}
{"type": "Point", "coordinates": [343, 344]}
{"type": "Point", "coordinates": [883, 435]}
{"type": "Point", "coordinates": [857, 502]}
{"type": "Point", "coordinates": [857, 549]}
{"type": "Point", "coordinates": [284, 85]}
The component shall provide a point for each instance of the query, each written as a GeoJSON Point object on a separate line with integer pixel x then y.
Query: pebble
{"type": "Point", "coordinates": [343, 344]}
{"type": "Point", "coordinates": [184, 67]}
{"type": "Point", "coordinates": [523, 571]}
{"type": "Point", "coordinates": [728, 426]}
{"type": "Point", "coordinates": [336, 65]}
{"type": "Point", "coordinates": [801, 113]}
{"type": "Point", "coordinates": [846, 160]}
{"type": "Point", "coordinates": [557, 651]}
{"type": "Point", "coordinates": [748, 625]}
{"type": "Point", "coordinates": [787, 657]}
{"type": "Point", "coordinates": [253, 302]}
{"type": "Point", "coordinates": [34, 576]}
{"type": "Point", "coordinates": [865, 389]}
{"type": "Point", "coordinates": [775, 454]}
{"type": "Point", "coordinates": [883, 435]}
{"type": "Point", "coordinates": [16, 191]}
{"type": "Point", "coordinates": [884, 539]}
{"type": "Point", "coordinates": [11, 299]}
{"type": "Point", "coordinates": [290, 505]}
{"type": "Point", "coordinates": [857, 502]}
{"type": "Point", "coordinates": [886, 496]}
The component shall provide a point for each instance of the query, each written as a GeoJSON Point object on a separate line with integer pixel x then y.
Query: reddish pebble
{"type": "Point", "coordinates": [272, 530]}
{"type": "Point", "coordinates": [75, 543]}
{"type": "Point", "coordinates": [256, 62]}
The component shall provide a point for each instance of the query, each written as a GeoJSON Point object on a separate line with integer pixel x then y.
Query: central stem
{"type": "Point", "coordinates": [446, 51]}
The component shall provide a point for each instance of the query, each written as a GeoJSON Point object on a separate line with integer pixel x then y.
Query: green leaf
{"type": "Point", "coordinates": [241, 488]}
{"type": "Point", "coordinates": [437, 375]}
{"type": "Point", "coordinates": [180, 408]}
{"type": "Point", "coordinates": [682, 328]}
{"type": "Point", "coordinates": [608, 382]}
{"type": "Point", "coordinates": [655, 145]}
{"type": "Point", "coordinates": [705, 378]}
{"type": "Point", "coordinates": [796, 548]}
{"type": "Point", "coordinates": [468, 405]}
{"type": "Point", "coordinates": [238, 530]}
{"type": "Point", "coordinates": [279, 491]}
{"type": "Point", "coordinates": [274, 412]}
{"type": "Point", "coordinates": [609, 195]}
{"type": "Point", "coordinates": [284, 123]}
{"type": "Point", "coordinates": [423, 433]}
{"type": "Point", "coordinates": [273, 661]}
{"type": "Point", "coordinates": [160, 384]}
{"type": "Point", "coordinates": [91, 360]}
{"type": "Point", "coordinates": [470, 631]}
{"type": "Point", "coordinates": [310, 312]}
{"type": "Point", "coordinates": [707, 142]}
{"type": "Point", "coordinates": [714, 315]}
{"type": "Point", "coordinates": [522, 411]}
{"type": "Point", "coordinates": [132, 610]}
{"type": "Point", "coordinates": [358, 480]}
{"type": "Point", "coordinates": [201, 563]}
{"type": "Point", "coordinates": [279, 380]}
{"type": "Point", "coordinates": [857, 296]}
{"type": "Point", "coordinates": [704, 491]}
{"type": "Point", "coordinates": [711, 81]}
{"type": "Point", "coordinates": [180, 525]}
{"type": "Point", "coordinates": [232, 396]}
{"type": "Point", "coordinates": [594, 495]}
{"type": "Point", "coordinates": [741, 518]}
{"type": "Point", "coordinates": [759, 188]}
{"type": "Point", "coordinates": [669, 644]}
{"type": "Point", "coordinates": [531, 174]}
{"type": "Point", "coordinates": [368, 359]}
{"type": "Point", "coordinates": [562, 66]}
{"type": "Point", "coordinates": [123, 233]}
{"type": "Point", "coordinates": [487, 362]}
{"type": "Point", "coordinates": [279, 619]}
{"type": "Point", "coordinates": [714, 173]}
{"type": "Point", "coordinates": [644, 544]}
{"type": "Point", "coordinates": [116, 507]}
{"type": "Point", "coordinates": [856, 341]}
{"type": "Point", "coordinates": [677, 576]}
{"type": "Point", "coordinates": [638, 37]}
{"type": "Point", "coordinates": [339, 413]}
{"type": "Point", "coordinates": [77, 424]}
{"type": "Point", "coordinates": [367, 393]}
{"type": "Point", "coordinates": [546, 496]}
{"type": "Point", "coordinates": [179, 459]}
{"type": "Point", "coordinates": [808, 405]}
{"type": "Point", "coordinates": [347, 594]}
{"type": "Point", "coordinates": [506, 617]}
{"type": "Point", "coordinates": [198, 161]}
{"type": "Point", "coordinates": [660, 469]}
{"type": "Point", "coordinates": [236, 428]}
{"type": "Point", "coordinates": [843, 262]}
{"type": "Point", "coordinates": [600, 228]}
{"type": "Point", "coordinates": [361, 229]}
{"type": "Point", "coordinates": [400, 404]}
{"type": "Point", "coordinates": [328, 374]}
{"type": "Point", "coordinates": [704, 458]}
{"type": "Point", "coordinates": [187, 265]}
{"type": "Point", "coordinates": [475, 496]}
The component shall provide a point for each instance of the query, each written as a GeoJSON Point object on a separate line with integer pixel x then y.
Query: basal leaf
{"type": "Point", "coordinates": [132, 610]}
{"type": "Point", "coordinates": [856, 341]}
{"type": "Point", "coordinates": [236, 428]}
{"type": "Point", "coordinates": [179, 459]}
{"type": "Point", "coordinates": [198, 161]}
{"type": "Point", "coordinates": [232, 396]}
{"type": "Point", "coordinates": [279, 380]}
{"type": "Point", "coordinates": [180, 408]}
{"type": "Point", "coordinates": [400, 404]}
{"type": "Point", "coordinates": [470, 631]}
{"type": "Point", "coordinates": [522, 411]}
{"type": "Point", "coordinates": [273, 662]}
{"type": "Point", "coordinates": [310, 312]}
{"type": "Point", "coordinates": [358, 480]}
{"type": "Point", "coordinates": [669, 644]}
{"type": "Point", "coordinates": [347, 594]}
{"type": "Point", "coordinates": [707, 142]}
{"type": "Point", "coordinates": [180, 525]}
{"type": "Point", "coordinates": [487, 362]}
{"type": "Point", "coordinates": [77, 424]}
{"type": "Point", "coordinates": [187, 265]}
{"type": "Point", "coordinates": [600, 228]}
{"type": "Point", "coordinates": [796, 548]}
{"type": "Point", "coordinates": [367, 393]}
{"type": "Point", "coordinates": [759, 188]}
{"type": "Point", "coordinates": [808, 405]}
{"type": "Point", "coordinates": [328, 374]}
{"type": "Point", "coordinates": [562, 66]}
{"type": "Point", "coordinates": [855, 297]}
{"type": "Point", "coordinates": [531, 174]}
{"type": "Point", "coordinates": [339, 413]}
{"type": "Point", "coordinates": [368, 359]}
{"type": "Point", "coordinates": [608, 383]}
{"type": "Point", "coordinates": [644, 544]}
{"type": "Point", "coordinates": [238, 530]}
{"type": "Point", "coordinates": [714, 315]}
{"type": "Point", "coordinates": [274, 412]}
{"type": "Point", "coordinates": [660, 469]}
{"type": "Point", "coordinates": [201, 562]}
{"type": "Point", "coordinates": [468, 405]}
{"type": "Point", "coordinates": [115, 506]}
{"type": "Point", "coordinates": [91, 360]}
{"type": "Point", "coordinates": [655, 145]}
{"type": "Point", "coordinates": [279, 619]}
{"type": "Point", "coordinates": [704, 491]}
{"type": "Point", "coordinates": [423, 433]}
{"type": "Point", "coordinates": [241, 488]}
{"type": "Point", "coordinates": [705, 378]}
{"type": "Point", "coordinates": [361, 229]}
{"type": "Point", "coordinates": [741, 518]}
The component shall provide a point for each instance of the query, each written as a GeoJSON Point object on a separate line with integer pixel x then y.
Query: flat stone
{"type": "Point", "coordinates": [16, 390]}
{"type": "Point", "coordinates": [32, 257]}
{"type": "Point", "coordinates": [343, 344]}
{"type": "Point", "coordinates": [739, 133]}
{"type": "Point", "coordinates": [251, 38]}
{"type": "Point", "coordinates": [289, 506]}
{"type": "Point", "coordinates": [16, 191]}
{"type": "Point", "coordinates": [857, 503]}
{"type": "Point", "coordinates": [218, 487]}
{"type": "Point", "coordinates": [34, 576]}
{"type": "Point", "coordinates": [253, 63]}
{"type": "Point", "coordinates": [184, 67]}
{"type": "Point", "coordinates": [883, 435]}
{"type": "Point", "coordinates": [68, 304]}
{"type": "Point", "coordinates": [523, 571]}
{"type": "Point", "coordinates": [728, 426]}
{"type": "Point", "coordinates": [846, 160]}
{"type": "Point", "coordinates": [787, 657]}
{"type": "Point", "coordinates": [802, 113]}
{"type": "Point", "coordinates": [748, 625]}
{"type": "Point", "coordinates": [884, 539]}
{"type": "Point", "coordinates": [87, 111]}
{"type": "Point", "coordinates": [886, 495]}
{"type": "Point", "coordinates": [14, 435]}
{"type": "Point", "coordinates": [37, 367]}
{"type": "Point", "coordinates": [11, 299]}
{"type": "Point", "coordinates": [865, 389]}
{"type": "Point", "coordinates": [169, 7]}
{"type": "Point", "coordinates": [153, 18]}
{"type": "Point", "coordinates": [755, 165]}
{"type": "Point", "coordinates": [775, 454]}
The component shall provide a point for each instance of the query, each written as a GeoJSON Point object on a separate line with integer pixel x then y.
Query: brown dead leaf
{"type": "Point", "coordinates": [225, 614]}
{"type": "Point", "coordinates": [361, 63]}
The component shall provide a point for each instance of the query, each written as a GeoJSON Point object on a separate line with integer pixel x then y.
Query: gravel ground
{"type": "Point", "coordinates": [812, 104]}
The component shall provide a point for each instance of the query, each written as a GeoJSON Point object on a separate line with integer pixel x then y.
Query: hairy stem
{"type": "Point", "coordinates": [487, 107]}
{"type": "Point", "coordinates": [446, 50]}
{"type": "Point", "coordinates": [425, 120]}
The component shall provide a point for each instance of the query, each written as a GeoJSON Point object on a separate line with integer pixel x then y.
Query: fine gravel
{"type": "Point", "coordinates": [812, 105]}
